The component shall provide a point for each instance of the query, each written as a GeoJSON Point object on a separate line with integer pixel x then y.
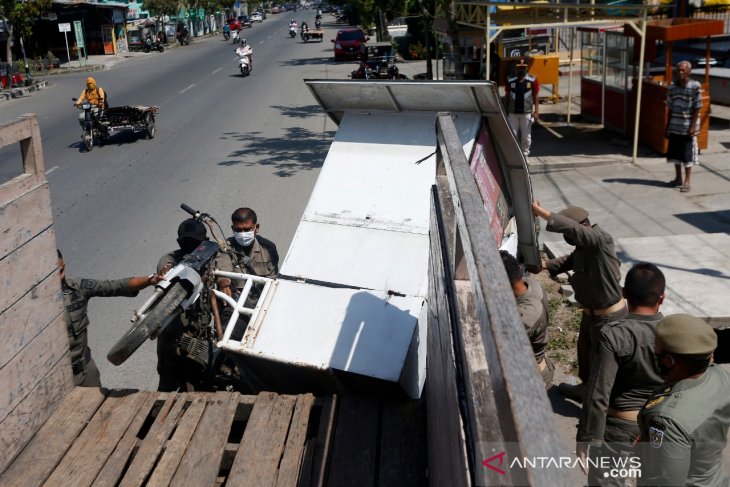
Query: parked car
{"type": "Point", "coordinates": [348, 42]}
{"type": "Point", "coordinates": [275, 9]}
{"type": "Point", "coordinates": [233, 24]}
{"type": "Point", "coordinates": [245, 21]}
{"type": "Point", "coordinates": [257, 17]}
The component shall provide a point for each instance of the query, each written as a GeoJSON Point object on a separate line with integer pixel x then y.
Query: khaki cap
{"type": "Point", "coordinates": [686, 335]}
{"type": "Point", "coordinates": [575, 213]}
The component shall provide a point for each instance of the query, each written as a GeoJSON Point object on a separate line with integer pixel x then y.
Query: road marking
{"type": "Point", "coordinates": [216, 70]}
{"type": "Point", "coordinates": [556, 134]}
{"type": "Point", "coordinates": [186, 89]}
{"type": "Point", "coordinates": [261, 42]}
{"type": "Point", "coordinates": [51, 170]}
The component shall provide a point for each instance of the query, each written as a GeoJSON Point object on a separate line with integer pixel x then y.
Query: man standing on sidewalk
{"type": "Point", "coordinates": [623, 377]}
{"type": "Point", "coordinates": [596, 281]}
{"type": "Point", "coordinates": [522, 104]}
{"type": "Point", "coordinates": [683, 124]}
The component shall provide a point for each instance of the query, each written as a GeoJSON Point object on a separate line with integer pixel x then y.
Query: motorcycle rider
{"type": "Point", "coordinates": [94, 95]}
{"type": "Point", "coordinates": [305, 27]}
{"type": "Point", "coordinates": [245, 49]}
{"type": "Point", "coordinates": [175, 371]}
{"type": "Point", "coordinates": [226, 32]}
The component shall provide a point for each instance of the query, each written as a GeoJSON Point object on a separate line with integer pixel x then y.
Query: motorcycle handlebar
{"type": "Point", "coordinates": [186, 208]}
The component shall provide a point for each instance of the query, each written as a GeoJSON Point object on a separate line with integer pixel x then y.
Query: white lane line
{"type": "Point", "coordinates": [269, 37]}
{"type": "Point", "coordinates": [261, 42]}
{"type": "Point", "coordinates": [216, 70]}
{"type": "Point", "coordinates": [186, 89]}
{"type": "Point", "coordinates": [51, 170]}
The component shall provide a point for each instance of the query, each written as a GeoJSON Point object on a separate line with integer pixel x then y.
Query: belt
{"type": "Point", "coordinates": [605, 311]}
{"type": "Point", "coordinates": [627, 415]}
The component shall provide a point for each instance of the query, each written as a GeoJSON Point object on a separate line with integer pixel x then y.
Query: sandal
{"type": "Point", "coordinates": [685, 188]}
{"type": "Point", "coordinates": [674, 183]}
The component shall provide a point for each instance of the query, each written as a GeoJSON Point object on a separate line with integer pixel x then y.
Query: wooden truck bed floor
{"type": "Point", "coordinates": [130, 438]}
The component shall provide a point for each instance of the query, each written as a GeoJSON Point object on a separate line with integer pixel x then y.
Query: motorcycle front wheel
{"type": "Point", "coordinates": [159, 316]}
{"type": "Point", "coordinates": [88, 140]}
{"type": "Point", "coordinates": [146, 49]}
{"type": "Point", "coordinates": [160, 48]}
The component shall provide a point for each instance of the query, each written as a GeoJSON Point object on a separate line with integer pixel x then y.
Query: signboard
{"type": "Point", "coordinates": [488, 176]}
{"type": "Point", "coordinates": [118, 16]}
{"type": "Point", "coordinates": [79, 33]}
{"type": "Point", "coordinates": [66, 27]}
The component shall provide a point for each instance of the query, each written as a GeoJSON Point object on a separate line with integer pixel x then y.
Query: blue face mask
{"type": "Point", "coordinates": [245, 239]}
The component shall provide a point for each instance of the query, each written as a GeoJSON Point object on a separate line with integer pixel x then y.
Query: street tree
{"type": "Point", "coordinates": [20, 17]}
{"type": "Point", "coordinates": [160, 8]}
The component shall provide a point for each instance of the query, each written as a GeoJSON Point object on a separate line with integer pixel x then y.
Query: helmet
{"type": "Point", "coordinates": [243, 41]}
{"type": "Point", "coordinates": [192, 228]}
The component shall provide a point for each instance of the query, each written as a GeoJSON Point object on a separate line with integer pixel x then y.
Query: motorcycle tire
{"type": "Point", "coordinates": [162, 313]}
{"type": "Point", "coordinates": [161, 48]}
{"type": "Point", "coordinates": [146, 49]}
{"type": "Point", "coordinates": [88, 140]}
{"type": "Point", "coordinates": [149, 121]}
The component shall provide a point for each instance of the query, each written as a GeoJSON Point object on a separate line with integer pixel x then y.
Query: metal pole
{"type": "Point", "coordinates": [68, 54]}
{"type": "Point", "coordinates": [570, 74]}
{"type": "Point", "coordinates": [640, 82]}
{"type": "Point", "coordinates": [603, 78]}
{"type": "Point", "coordinates": [489, 47]}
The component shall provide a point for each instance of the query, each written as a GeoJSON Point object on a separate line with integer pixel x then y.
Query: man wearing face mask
{"type": "Point", "coordinates": [596, 281]}
{"type": "Point", "coordinates": [250, 254]}
{"type": "Point", "coordinates": [522, 104]}
{"type": "Point", "coordinates": [684, 427]}
{"type": "Point", "coordinates": [176, 372]}
{"type": "Point", "coordinates": [623, 376]}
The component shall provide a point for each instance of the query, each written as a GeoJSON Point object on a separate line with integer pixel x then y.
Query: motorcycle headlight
{"type": "Point", "coordinates": [86, 106]}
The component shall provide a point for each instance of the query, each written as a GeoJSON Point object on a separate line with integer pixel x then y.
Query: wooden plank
{"type": "Point", "coordinates": [25, 319]}
{"type": "Point", "coordinates": [15, 227]}
{"type": "Point", "coordinates": [445, 429]}
{"type": "Point", "coordinates": [21, 374]}
{"type": "Point", "coordinates": [305, 474]}
{"type": "Point", "coordinates": [175, 450]}
{"type": "Point", "coordinates": [325, 437]}
{"type": "Point", "coordinates": [17, 187]}
{"type": "Point", "coordinates": [13, 131]}
{"type": "Point", "coordinates": [26, 267]}
{"type": "Point", "coordinates": [263, 441]}
{"type": "Point", "coordinates": [202, 459]}
{"type": "Point", "coordinates": [32, 149]}
{"type": "Point", "coordinates": [86, 457]}
{"type": "Point", "coordinates": [354, 452]}
{"type": "Point", "coordinates": [38, 459]}
{"type": "Point", "coordinates": [295, 442]}
{"type": "Point", "coordinates": [151, 447]}
{"type": "Point", "coordinates": [403, 444]}
{"type": "Point", "coordinates": [117, 461]}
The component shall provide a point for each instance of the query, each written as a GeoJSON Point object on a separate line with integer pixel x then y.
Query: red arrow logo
{"type": "Point", "coordinates": [488, 463]}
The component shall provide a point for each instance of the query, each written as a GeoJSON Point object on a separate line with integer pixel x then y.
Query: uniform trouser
{"type": "Point", "coordinates": [590, 328]}
{"type": "Point", "coordinates": [522, 123]}
{"type": "Point", "coordinates": [615, 452]}
{"type": "Point", "coordinates": [89, 375]}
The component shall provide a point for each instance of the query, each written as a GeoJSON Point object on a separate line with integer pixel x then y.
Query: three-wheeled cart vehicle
{"type": "Point", "coordinates": [312, 34]}
{"type": "Point", "coordinates": [377, 61]}
{"type": "Point", "coordinates": [137, 118]}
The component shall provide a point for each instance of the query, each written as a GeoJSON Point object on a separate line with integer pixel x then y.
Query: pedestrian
{"type": "Point", "coordinates": [76, 295]}
{"type": "Point", "coordinates": [176, 370]}
{"type": "Point", "coordinates": [532, 304]}
{"type": "Point", "coordinates": [522, 104]}
{"type": "Point", "coordinates": [624, 375]}
{"type": "Point", "coordinates": [683, 124]}
{"type": "Point", "coordinates": [684, 427]}
{"type": "Point", "coordinates": [596, 281]}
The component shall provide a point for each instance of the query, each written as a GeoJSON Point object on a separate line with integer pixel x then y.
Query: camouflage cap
{"type": "Point", "coordinates": [575, 213]}
{"type": "Point", "coordinates": [686, 335]}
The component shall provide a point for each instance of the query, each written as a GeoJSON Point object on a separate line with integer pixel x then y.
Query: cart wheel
{"type": "Point", "coordinates": [150, 125]}
{"type": "Point", "coordinates": [88, 140]}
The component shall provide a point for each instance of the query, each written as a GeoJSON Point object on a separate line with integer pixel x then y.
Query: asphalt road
{"type": "Point", "coordinates": [222, 142]}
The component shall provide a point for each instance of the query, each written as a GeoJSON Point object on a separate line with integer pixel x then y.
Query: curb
{"type": "Point", "coordinates": [23, 90]}
{"type": "Point", "coordinates": [537, 167]}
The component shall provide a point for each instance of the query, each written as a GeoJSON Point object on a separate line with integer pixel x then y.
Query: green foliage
{"type": "Point", "coordinates": [158, 8]}
{"type": "Point", "coordinates": [23, 14]}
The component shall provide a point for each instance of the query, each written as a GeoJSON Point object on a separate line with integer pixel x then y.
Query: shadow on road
{"type": "Point", "coordinates": [299, 112]}
{"type": "Point", "coordinates": [643, 182]}
{"type": "Point", "coordinates": [298, 149]}
{"type": "Point", "coordinates": [310, 61]}
{"type": "Point", "coordinates": [561, 405]}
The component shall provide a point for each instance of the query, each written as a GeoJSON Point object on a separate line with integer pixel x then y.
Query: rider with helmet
{"type": "Point", "coordinates": [94, 95]}
{"type": "Point", "coordinates": [245, 50]}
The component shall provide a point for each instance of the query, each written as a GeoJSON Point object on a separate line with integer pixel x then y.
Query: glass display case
{"type": "Point", "coordinates": [619, 63]}
{"type": "Point", "coordinates": [591, 55]}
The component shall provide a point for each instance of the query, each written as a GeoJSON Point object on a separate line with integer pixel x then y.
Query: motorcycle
{"type": "Point", "coordinates": [93, 131]}
{"type": "Point", "coordinates": [317, 23]}
{"type": "Point", "coordinates": [236, 37]}
{"type": "Point", "coordinates": [226, 33]}
{"type": "Point", "coordinates": [376, 69]}
{"type": "Point", "coordinates": [183, 38]}
{"type": "Point", "coordinates": [193, 280]}
{"type": "Point", "coordinates": [150, 45]}
{"type": "Point", "coordinates": [304, 32]}
{"type": "Point", "coordinates": [293, 30]}
{"type": "Point", "coordinates": [244, 59]}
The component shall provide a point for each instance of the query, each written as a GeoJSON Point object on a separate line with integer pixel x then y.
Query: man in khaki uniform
{"type": "Point", "coordinates": [596, 280]}
{"type": "Point", "coordinates": [623, 377]}
{"type": "Point", "coordinates": [684, 427]}
{"type": "Point", "coordinates": [532, 304]}
{"type": "Point", "coordinates": [76, 295]}
{"type": "Point", "coordinates": [251, 254]}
